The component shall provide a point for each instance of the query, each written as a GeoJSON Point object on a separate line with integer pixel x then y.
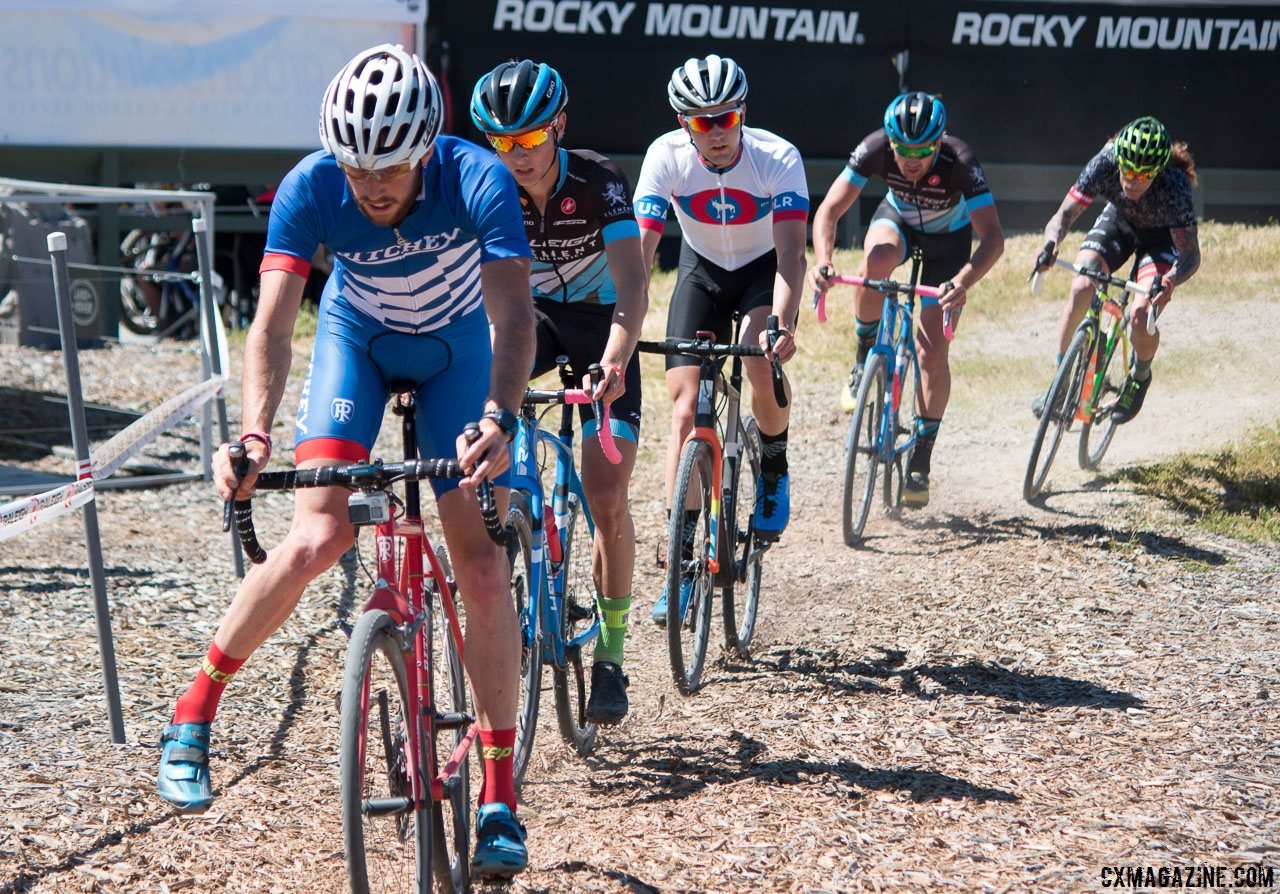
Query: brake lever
{"type": "Point", "coordinates": [240, 465]}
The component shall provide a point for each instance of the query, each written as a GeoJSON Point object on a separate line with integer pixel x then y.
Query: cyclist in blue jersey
{"type": "Point", "coordinates": [590, 297]}
{"type": "Point", "coordinates": [939, 200]}
{"type": "Point", "coordinates": [1146, 180]}
{"type": "Point", "coordinates": [427, 240]}
{"type": "Point", "coordinates": [742, 201]}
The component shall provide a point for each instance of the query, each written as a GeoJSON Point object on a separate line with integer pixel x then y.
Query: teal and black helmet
{"type": "Point", "coordinates": [914, 119]}
{"type": "Point", "coordinates": [1143, 146]}
{"type": "Point", "coordinates": [518, 96]}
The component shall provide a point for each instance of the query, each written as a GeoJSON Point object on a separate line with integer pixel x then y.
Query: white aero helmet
{"type": "Point", "coordinates": [382, 109]}
{"type": "Point", "coordinates": [706, 83]}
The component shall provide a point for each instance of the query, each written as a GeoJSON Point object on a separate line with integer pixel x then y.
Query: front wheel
{"type": "Point", "coordinates": [578, 614]}
{"type": "Point", "coordinates": [386, 831]}
{"type": "Point", "coordinates": [863, 447]}
{"type": "Point", "coordinates": [1102, 425]}
{"type": "Point", "coordinates": [739, 604]}
{"type": "Point", "coordinates": [690, 581]}
{"type": "Point", "coordinates": [520, 557]}
{"type": "Point", "coordinates": [1060, 403]}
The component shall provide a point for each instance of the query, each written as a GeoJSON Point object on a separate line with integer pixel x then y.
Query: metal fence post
{"type": "Point", "coordinates": [80, 441]}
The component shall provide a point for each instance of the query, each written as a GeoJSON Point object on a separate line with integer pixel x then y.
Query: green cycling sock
{"type": "Point", "coordinates": [613, 629]}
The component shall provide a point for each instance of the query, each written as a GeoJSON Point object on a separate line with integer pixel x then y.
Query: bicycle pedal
{"type": "Point", "coordinates": [453, 720]}
{"type": "Point", "coordinates": [579, 612]}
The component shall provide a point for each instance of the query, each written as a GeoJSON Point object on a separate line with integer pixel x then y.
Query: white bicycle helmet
{"type": "Point", "coordinates": [382, 109]}
{"type": "Point", "coordinates": [705, 83]}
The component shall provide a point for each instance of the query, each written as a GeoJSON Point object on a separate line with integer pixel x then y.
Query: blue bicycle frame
{"type": "Point", "coordinates": [543, 622]}
{"type": "Point", "coordinates": [896, 342]}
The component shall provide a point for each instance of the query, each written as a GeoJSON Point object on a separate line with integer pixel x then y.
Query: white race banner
{"type": "Point", "coordinates": [199, 74]}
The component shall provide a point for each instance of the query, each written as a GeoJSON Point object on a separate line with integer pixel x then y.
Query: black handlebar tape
{"type": "Point", "coordinates": [484, 492]}
{"type": "Point", "coordinates": [779, 389]}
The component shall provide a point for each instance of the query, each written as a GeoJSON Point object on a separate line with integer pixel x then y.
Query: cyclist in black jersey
{"type": "Point", "coordinates": [590, 291]}
{"type": "Point", "coordinates": [938, 199]}
{"type": "Point", "coordinates": [1146, 179]}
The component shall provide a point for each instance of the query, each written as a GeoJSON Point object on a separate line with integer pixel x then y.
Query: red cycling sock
{"type": "Point", "coordinates": [199, 703]}
{"type": "Point", "coordinates": [498, 745]}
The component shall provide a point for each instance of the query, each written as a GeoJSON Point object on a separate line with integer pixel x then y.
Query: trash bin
{"type": "Point", "coordinates": [28, 312]}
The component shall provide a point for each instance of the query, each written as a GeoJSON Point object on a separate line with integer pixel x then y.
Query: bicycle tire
{"type": "Point", "coordinates": [863, 441]}
{"type": "Point", "coordinates": [1103, 420]}
{"type": "Point", "coordinates": [1061, 402]}
{"type": "Point", "coordinates": [387, 847]}
{"type": "Point", "coordinates": [910, 398]}
{"type": "Point", "coordinates": [740, 606]}
{"type": "Point", "coordinates": [451, 816]}
{"type": "Point", "coordinates": [578, 613]}
{"type": "Point", "coordinates": [520, 556]}
{"type": "Point", "coordinates": [695, 626]}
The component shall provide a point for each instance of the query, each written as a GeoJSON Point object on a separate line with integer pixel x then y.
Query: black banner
{"type": "Point", "coordinates": [1025, 81]}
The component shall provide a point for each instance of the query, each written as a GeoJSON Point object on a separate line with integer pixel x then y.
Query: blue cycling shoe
{"type": "Point", "coordinates": [183, 779]}
{"type": "Point", "coordinates": [660, 607]}
{"type": "Point", "coordinates": [773, 505]}
{"type": "Point", "coordinates": [500, 850]}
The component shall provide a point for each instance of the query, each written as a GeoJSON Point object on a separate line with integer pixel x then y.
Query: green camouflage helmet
{"type": "Point", "coordinates": [1143, 146]}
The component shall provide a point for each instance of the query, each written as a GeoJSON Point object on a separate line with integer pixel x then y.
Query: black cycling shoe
{"type": "Point", "coordinates": [608, 702]}
{"type": "Point", "coordinates": [1130, 400]}
{"type": "Point", "coordinates": [1037, 405]}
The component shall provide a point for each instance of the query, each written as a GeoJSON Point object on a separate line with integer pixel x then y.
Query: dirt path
{"type": "Point", "coordinates": [989, 696]}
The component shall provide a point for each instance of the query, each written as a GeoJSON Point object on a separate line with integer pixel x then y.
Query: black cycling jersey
{"type": "Point", "coordinates": [940, 201]}
{"type": "Point", "coordinates": [589, 208]}
{"type": "Point", "coordinates": [1166, 203]}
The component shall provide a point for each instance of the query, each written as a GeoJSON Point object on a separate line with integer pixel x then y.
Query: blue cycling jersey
{"type": "Point", "coordinates": [424, 273]}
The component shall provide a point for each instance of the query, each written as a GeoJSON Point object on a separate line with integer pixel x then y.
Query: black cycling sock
{"type": "Point", "coordinates": [866, 330]}
{"type": "Point", "coordinates": [773, 459]}
{"type": "Point", "coordinates": [926, 436]}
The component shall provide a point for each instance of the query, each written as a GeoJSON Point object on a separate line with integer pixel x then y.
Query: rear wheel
{"type": "Point", "coordinates": [520, 557]}
{"type": "Point", "coordinates": [451, 817]}
{"type": "Point", "coordinates": [577, 617]}
{"type": "Point", "coordinates": [1061, 401]}
{"type": "Point", "coordinates": [740, 597]}
{"type": "Point", "coordinates": [1102, 427]}
{"type": "Point", "coordinates": [386, 833]}
{"type": "Point", "coordinates": [862, 448]}
{"type": "Point", "coordinates": [688, 567]}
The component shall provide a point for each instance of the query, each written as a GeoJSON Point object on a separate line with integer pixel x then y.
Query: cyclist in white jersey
{"type": "Point", "coordinates": [741, 198]}
{"type": "Point", "coordinates": [429, 252]}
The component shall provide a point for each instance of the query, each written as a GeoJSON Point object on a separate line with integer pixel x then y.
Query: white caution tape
{"type": "Point", "coordinates": [24, 514]}
{"type": "Point", "coordinates": [121, 448]}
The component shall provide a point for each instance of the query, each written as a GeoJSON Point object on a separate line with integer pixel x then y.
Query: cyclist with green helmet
{"type": "Point", "coordinates": [938, 200]}
{"type": "Point", "coordinates": [1146, 179]}
{"type": "Point", "coordinates": [590, 295]}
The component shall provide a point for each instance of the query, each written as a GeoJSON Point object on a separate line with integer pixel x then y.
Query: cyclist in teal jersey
{"type": "Point", "coordinates": [429, 256]}
{"type": "Point", "coordinates": [939, 200]}
{"type": "Point", "coordinates": [1150, 213]}
{"type": "Point", "coordinates": [590, 297]}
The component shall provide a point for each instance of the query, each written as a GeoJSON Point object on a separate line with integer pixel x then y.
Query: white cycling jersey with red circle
{"type": "Point", "coordinates": [727, 215]}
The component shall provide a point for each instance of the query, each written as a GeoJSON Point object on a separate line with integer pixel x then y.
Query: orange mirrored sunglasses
{"type": "Point", "coordinates": [1129, 173]}
{"type": "Point", "coordinates": [531, 140]}
{"type": "Point", "coordinates": [704, 123]}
